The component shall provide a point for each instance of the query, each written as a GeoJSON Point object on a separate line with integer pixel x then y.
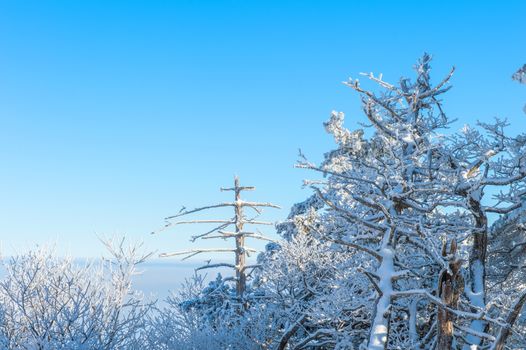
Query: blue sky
{"type": "Point", "coordinates": [115, 113]}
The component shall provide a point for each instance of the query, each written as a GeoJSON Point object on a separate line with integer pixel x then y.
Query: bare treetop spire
{"type": "Point", "coordinates": [237, 231]}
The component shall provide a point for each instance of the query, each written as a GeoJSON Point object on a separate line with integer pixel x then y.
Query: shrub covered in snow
{"type": "Point", "coordinates": [49, 303]}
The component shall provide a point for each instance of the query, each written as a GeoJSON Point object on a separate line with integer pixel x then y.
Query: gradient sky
{"type": "Point", "coordinates": [115, 113]}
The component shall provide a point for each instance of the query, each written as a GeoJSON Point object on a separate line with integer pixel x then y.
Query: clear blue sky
{"type": "Point", "coordinates": [115, 113]}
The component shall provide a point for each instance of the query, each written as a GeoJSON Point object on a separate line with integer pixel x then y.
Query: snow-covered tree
{"type": "Point", "coordinates": [232, 228]}
{"type": "Point", "coordinates": [412, 198]}
{"type": "Point", "coordinates": [223, 313]}
{"type": "Point", "coordinates": [507, 273]}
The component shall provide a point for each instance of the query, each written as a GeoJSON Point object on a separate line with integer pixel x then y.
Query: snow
{"type": "Point", "coordinates": [381, 321]}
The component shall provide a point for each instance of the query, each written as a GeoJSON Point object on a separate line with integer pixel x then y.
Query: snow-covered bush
{"type": "Point", "coordinates": [201, 317]}
{"type": "Point", "coordinates": [319, 299]}
{"type": "Point", "coordinates": [50, 303]}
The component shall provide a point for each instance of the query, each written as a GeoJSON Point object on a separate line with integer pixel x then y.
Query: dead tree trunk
{"type": "Point", "coordinates": [450, 287]}
{"type": "Point", "coordinates": [240, 253]}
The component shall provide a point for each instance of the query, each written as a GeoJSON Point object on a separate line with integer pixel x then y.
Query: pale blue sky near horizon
{"type": "Point", "coordinates": [115, 113]}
